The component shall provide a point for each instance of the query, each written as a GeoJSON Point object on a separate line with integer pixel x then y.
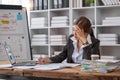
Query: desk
{"type": "Point", "coordinates": [65, 73]}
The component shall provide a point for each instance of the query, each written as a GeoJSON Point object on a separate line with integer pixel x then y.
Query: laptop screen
{"type": "Point", "coordinates": [14, 30]}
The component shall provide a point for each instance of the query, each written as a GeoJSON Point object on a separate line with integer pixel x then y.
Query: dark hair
{"type": "Point", "coordinates": [84, 23]}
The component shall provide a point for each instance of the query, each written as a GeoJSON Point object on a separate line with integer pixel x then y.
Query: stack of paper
{"type": "Point", "coordinates": [100, 66]}
{"type": "Point", "coordinates": [109, 57]}
{"type": "Point", "coordinates": [38, 22]}
{"type": "Point", "coordinates": [57, 39]}
{"type": "Point", "coordinates": [59, 21]}
{"type": "Point", "coordinates": [39, 39]}
{"type": "Point", "coordinates": [51, 66]}
{"type": "Point", "coordinates": [106, 39]}
{"type": "Point", "coordinates": [111, 21]}
{"type": "Point", "coordinates": [5, 65]}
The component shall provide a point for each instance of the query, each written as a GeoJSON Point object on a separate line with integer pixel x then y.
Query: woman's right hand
{"type": "Point", "coordinates": [44, 60]}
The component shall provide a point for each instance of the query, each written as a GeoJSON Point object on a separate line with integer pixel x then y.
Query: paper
{"type": "Point", "coordinates": [108, 60]}
{"type": "Point", "coordinates": [51, 66]}
{"type": "Point", "coordinates": [5, 65]}
{"type": "Point", "coordinates": [24, 67]}
{"type": "Point", "coordinates": [54, 66]}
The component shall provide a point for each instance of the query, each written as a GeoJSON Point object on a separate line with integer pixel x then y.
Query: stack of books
{"type": "Point", "coordinates": [110, 2]}
{"type": "Point", "coordinates": [59, 21]}
{"type": "Point", "coordinates": [109, 58]}
{"type": "Point", "coordinates": [111, 21]}
{"type": "Point", "coordinates": [102, 66]}
{"type": "Point", "coordinates": [58, 39]}
{"type": "Point", "coordinates": [108, 39]}
{"type": "Point", "coordinates": [38, 22]}
{"type": "Point", "coordinates": [39, 39]}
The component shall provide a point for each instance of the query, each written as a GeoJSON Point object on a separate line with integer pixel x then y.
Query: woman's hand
{"type": "Point", "coordinates": [44, 60]}
{"type": "Point", "coordinates": [80, 35]}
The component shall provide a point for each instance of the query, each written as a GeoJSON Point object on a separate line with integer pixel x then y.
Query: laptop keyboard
{"type": "Point", "coordinates": [25, 63]}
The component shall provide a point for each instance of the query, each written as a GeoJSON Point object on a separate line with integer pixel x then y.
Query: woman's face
{"type": "Point", "coordinates": [77, 32]}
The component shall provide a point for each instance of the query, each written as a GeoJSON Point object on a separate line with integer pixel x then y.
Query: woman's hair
{"type": "Point", "coordinates": [85, 24]}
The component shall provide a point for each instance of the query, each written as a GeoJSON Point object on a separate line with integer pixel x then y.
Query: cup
{"type": "Point", "coordinates": [94, 57]}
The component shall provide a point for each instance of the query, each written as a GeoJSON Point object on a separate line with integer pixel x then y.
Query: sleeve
{"type": "Point", "coordinates": [63, 55]}
{"type": "Point", "coordinates": [91, 49]}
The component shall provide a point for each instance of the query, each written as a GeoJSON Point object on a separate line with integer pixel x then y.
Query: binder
{"type": "Point", "coordinates": [35, 4]}
{"type": "Point", "coordinates": [40, 4]}
{"type": "Point", "coordinates": [55, 4]}
{"type": "Point", "coordinates": [65, 3]}
{"type": "Point", "coordinates": [45, 4]}
{"type": "Point", "coordinates": [60, 3]}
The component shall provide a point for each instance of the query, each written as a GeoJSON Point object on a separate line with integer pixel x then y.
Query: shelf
{"type": "Point", "coordinates": [57, 44]}
{"type": "Point", "coordinates": [35, 11]}
{"type": "Point", "coordinates": [96, 14]}
{"type": "Point", "coordinates": [39, 28]}
{"type": "Point", "coordinates": [59, 9]}
{"type": "Point", "coordinates": [40, 45]}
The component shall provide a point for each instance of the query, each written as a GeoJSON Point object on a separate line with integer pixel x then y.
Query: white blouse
{"type": "Point", "coordinates": [78, 54]}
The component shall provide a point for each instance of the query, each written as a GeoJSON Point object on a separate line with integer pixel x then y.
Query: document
{"type": "Point", "coordinates": [54, 66]}
{"type": "Point", "coordinates": [5, 65]}
{"type": "Point", "coordinates": [51, 66]}
{"type": "Point", "coordinates": [24, 67]}
{"type": "Point", "coordinates": [108, 60]}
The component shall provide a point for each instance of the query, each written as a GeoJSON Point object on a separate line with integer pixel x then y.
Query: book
{"type": "Point", "coordinates": [55, 4]}
{"type": "Point", "coordinates": [78, 3]}
{"type": "Point", "coordinates": [107, 35]}
{"type": "Point", "coordinates": [104, 2]}
{"type": "Point", "coordinates": [60, 3]}
{"type": "Point", "coordinates": [60, 17]}
{"type": "Point", "coordinates": [38, 19]}
{"type": "Point", "coordinates": [39, 39]}
{"type": "Point", "coordinates": [59, 21]}
{"type": "Point", "coordinates": [112, 18]}
{"type": "Point", "coordinates": [40, 7]}
{"type": "Point", "coordinates": [75, 3]}
{"type": "Point", "coordinates": [40, 35]}
{"type": "Point", "coordinates": [45, 4]}
{"type": "Point", "coordinates": [109, 57]}
{"type": "Point", "coordinates": [35, 4]}
{"type": "Point", "coordinates": [65, 3]}
{"type": "Point", "coordinates": [108, 38]}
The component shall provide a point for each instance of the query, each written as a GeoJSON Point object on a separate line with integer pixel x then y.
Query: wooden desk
{"type": "Point", "coordinates": [65, 73]}
{"type": "Point", "coordinates": [10, 71]}
{"type": "Point", "coordinates": [73, 74]}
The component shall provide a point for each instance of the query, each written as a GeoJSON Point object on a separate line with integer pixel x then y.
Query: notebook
{"type": "Point", "coordinates": [14, 62]}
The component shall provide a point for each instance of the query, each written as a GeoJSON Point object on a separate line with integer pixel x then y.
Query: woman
{"type": "Point", "coordinates": [78, 46]}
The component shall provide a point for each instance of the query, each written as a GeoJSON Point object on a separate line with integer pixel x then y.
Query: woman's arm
{"type": "Point", "coordinates": [63, 55]}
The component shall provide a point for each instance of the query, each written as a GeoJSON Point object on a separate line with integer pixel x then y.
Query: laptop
{"type": "Point", "coordinates": [14, 62]}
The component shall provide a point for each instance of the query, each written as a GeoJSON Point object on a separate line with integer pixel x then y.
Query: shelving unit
{"type": "Point", "coordinates": [96, 13]}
